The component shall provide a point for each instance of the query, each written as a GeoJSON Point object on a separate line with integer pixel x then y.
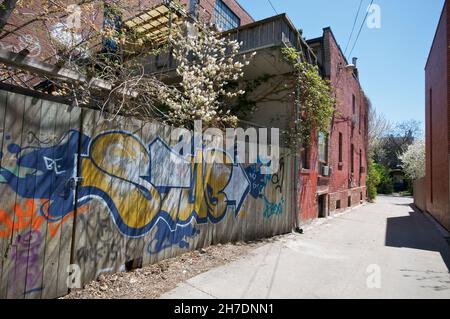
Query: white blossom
{"type": "Point", "coordinates": [206, 63]}
{"type": "Point", "coordinates": [414, 160]}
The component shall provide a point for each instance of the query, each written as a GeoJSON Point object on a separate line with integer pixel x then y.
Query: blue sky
{"type": "Point", "coordinates": [391, 59]}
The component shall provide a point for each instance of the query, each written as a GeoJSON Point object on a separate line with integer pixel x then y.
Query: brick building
{"type": "Point", "coordinates": [333, 175]}
{"type": "Point", "coordinates": [437, 116]}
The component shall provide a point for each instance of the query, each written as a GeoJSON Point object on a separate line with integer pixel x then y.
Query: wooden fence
{"type": "Point", "coordinates": [81, 196]}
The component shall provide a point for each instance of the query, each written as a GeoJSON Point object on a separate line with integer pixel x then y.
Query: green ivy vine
{"type": "Point", "coordinates": [315, 97]}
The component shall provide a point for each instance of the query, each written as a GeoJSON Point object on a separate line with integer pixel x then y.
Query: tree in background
{"type": "Point", "coordinates": [373, 180]}
{"type": "Point", "coordinates": [386, 185]}
{"type": "Point", "coordinates": [414, 160]}
{"type": "Point", "coordinates": [377, 179]}
{"type": "Point", "coordinates": [378, 128]}
{"type": "Point", "coordinates": [387, 142]}
{"type": "Point", "coordinates": [397, 141]}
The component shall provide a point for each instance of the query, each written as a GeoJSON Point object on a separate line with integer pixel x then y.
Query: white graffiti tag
{"type": "Point", "coordinates": [26, 41]}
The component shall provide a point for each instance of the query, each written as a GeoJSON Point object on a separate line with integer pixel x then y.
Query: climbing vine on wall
{"type": "Point", "coordinates": [315, 97]}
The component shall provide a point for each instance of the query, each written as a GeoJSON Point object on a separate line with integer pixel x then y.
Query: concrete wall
{"type": "Point", "coordinates": [83, 195]}
{"type": "Point", "coordinates": [437, 123]}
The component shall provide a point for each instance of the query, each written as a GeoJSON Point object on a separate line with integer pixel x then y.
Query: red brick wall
{"type": "Point", "coordinates": [420, 191]}
{"type": "Point", "coordinates": [308, 205]}
{"type": "Point", "coordinates": [346, 86]}
{"type": "Point", "coordinates": [342, 185]}
{"type": "Point", "coordinates": [437, 119]}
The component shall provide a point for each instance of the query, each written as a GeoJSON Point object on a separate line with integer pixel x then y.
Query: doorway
{"type": "Point", "coordinates": [323, 206]}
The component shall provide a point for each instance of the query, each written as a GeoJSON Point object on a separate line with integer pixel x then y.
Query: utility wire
{"type": "Point", "coordinates": [360, 29]}
{"type": "Point", "coordinates": [354, 25]}
{"type": "Point", "coordinates": [273, 7]}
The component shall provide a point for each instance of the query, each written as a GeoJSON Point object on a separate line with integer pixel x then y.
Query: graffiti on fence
{"type": "Point", "coordinates": [27, 272]}
{"type": "Point", "coordinates": [272, 209]}
{"type": "Point", "coordinates": [28, 216]}
{"type": "Point", "coordinates": [166, 238]}
{"type": "Point", "coordinates": [277, 179]}
{"type": "Point", "coordinates": [138, 184]}
{"type": "Point", "coordinates": [21, 42]}
{"type": "Point", "coordinates": [101, 245]}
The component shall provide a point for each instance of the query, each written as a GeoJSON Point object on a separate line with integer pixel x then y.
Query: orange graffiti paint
{"type": "Point", "coordinates": [28, 216]}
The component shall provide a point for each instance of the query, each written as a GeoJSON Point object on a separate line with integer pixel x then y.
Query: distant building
{"type": "Point", "coordinates": [437, 114]}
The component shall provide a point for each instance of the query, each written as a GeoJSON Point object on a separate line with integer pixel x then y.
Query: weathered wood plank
{"type": "Point", "coordinates": [10, 169]}
{"type": "Point", "coordinates": [101, 241]}
{"type": "Point", "coordinates": [149, 256]}
{"type": "Point", "coordinates": [31, 238]}
{"type": "Point", "coordinates": [60, 190]}
{"type": "Point", "coordinates": [3, 241]}
{"type": "Point", "coordinates": [67, 225]}
{"type": "Point", "coordinates": [84, 254]}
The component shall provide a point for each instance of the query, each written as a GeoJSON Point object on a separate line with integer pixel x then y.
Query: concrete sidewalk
{"type": "Point", "coordinates": [340, 258]}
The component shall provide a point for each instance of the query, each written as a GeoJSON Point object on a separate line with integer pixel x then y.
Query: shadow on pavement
{"type": "Point", "coordinates": [416, 232]}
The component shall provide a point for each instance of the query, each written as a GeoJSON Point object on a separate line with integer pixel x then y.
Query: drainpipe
{"type": "Point", "coordinates": [297, 167]}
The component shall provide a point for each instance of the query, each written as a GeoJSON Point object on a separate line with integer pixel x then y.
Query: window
{"type": "Point", "coordinates": [354, 116]}
{"type": "Point", "coordinates": [305, 157]}
{"type": "Point", "coordinates": [338, 204]}
{"type": "Point", "coordinates": [225, 18]}
{"type": "Point", "coordinates": [360, 162]}
{"type": "Point", "coordinates": [323, 147]}
{"type": "Point", "coordinates": [341, 155]}
{"type": "Point", "coordinates": [354, 104]}
{"type": "Point", "coordinates": [352, 156]}
{"type": "Point", "coordinates": [360, 118]}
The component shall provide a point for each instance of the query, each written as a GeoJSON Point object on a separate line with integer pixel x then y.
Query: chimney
{"type": "Point", "coordinates": [354, 62]}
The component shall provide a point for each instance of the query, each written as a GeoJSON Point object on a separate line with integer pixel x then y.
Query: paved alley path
{"type": "Point", "coordinates": [340, 258]}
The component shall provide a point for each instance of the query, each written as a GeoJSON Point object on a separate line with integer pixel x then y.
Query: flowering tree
{"type": "Point", "coordinates": [414, 160]}
{"type": "Point", "coordinates": [207, 65]}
